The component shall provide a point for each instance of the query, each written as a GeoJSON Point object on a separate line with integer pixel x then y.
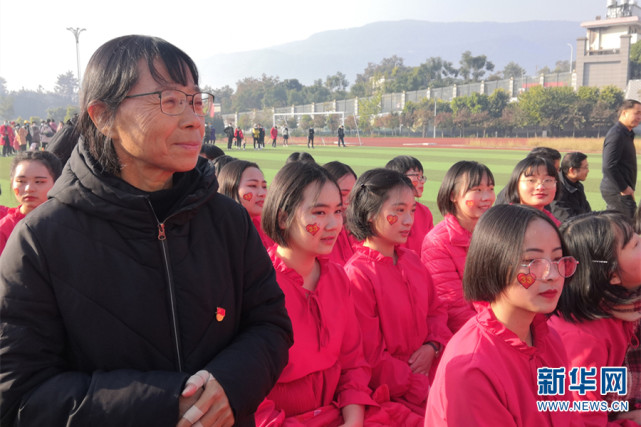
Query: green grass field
{"type": "Point", "coordinates": [436, 161]}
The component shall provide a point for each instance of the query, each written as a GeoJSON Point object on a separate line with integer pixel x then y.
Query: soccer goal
{"type": "Point", "coordinates": [324, 113]}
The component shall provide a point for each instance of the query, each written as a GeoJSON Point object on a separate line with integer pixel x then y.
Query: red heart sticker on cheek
{"type": "Point", "coordinates": [526, 280]}
{"type": "Point", "coordinates": [312, 229]}
{"type": "Point", "coordinates": [469, 203]}
{"type": "Point", "coordinates": [392, 219]}
{"type": "Point", "coordinates": [248, 196]}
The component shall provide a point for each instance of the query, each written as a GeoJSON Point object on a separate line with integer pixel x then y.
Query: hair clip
{"type": "Point", "coordinates": [600, 261]}
{"type": "Point", "coordinates": [363, 186]}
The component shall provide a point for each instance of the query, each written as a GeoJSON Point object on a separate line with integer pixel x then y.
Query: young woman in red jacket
{"type": "Point", "coordinates": [466, 193]}
{"type": "Point", "coordinates": [33, 174]}
{"type": "Point", "coordinates": [244, 182]}
{"type": "Point", "coordinates": [402, 319]}
{"type": "Point", "coordinates": [325, 382]}
{"type": "Point", "coordinates": [515, 268]}
{"type": "Point", "coordinates": [600, 309]}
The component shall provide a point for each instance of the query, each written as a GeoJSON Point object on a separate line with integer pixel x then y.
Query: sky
{"type": "Point", "coordinates": [36, 47]}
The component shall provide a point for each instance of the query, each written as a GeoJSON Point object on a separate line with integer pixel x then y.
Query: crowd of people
{"type": "Point", "coordinates": [165, 283]}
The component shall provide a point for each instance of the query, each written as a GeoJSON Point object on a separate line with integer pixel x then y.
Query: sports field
{"type": "Point", "coordinates": [435, 159]}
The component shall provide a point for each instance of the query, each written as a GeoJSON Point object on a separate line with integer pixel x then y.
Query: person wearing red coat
{"type": "Point", "coordinates": [466, 193]}
{"type": "Point", "coordinates": [325, 382]}
{"type": "Point", "coordinates": [33, 174]}
{"type": "Point", "coordinates": [403, 322]}
{"type": "Point", "coordinates": [488, 375]}
{"type": "Point", "coordinates": [600, 308]}
{"type": "Point", "coordinates": [273, 132]}
{"type": "Point", "coordinates": [423, 219]}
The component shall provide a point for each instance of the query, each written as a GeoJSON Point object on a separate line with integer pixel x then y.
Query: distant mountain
{"type": "Point", "coordinates": [531, 44]}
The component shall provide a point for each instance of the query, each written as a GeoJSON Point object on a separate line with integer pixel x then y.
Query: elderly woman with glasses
{"type": "Point", "coordinates": [138, 295]}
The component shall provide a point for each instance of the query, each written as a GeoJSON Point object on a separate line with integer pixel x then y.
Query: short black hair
{"type": "Point", "coordinates": [402, 164]}
{"type": "Point", "coordinates": [551, 154]}
{"type": "Point", "coordinates": [211, 151]}
{"type": "Point", "coordinates": [498, 237]}
{"type": "Point", "coordinates": [48, 160]}
{"type": "Point", "coordinates": [594, 240]}
{"type": "Point", "coordinates": [338, 170]}
{"type": "Point", "coordinates": [286, 194]}
{"type": "Point", "coordinates": [221, 161]}
{"type": "Point", "coordinates": [572, 160]}
{"type": "Point", "coordinates": [368, 195]}
{"type": "Point", "coordinates": [300, 156]}
{"type": "Point", "coordinates": [627, 104]}
{"type": "Point", "coordinates": [464, 173]}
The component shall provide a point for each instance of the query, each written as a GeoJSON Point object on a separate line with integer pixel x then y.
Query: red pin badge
{"type": "Point", "coordinates": [220, 314]}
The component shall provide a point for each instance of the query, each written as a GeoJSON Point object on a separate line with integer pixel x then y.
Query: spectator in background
{"type": "Point", "coordinates": [229, 131]}
{"type": "Point", "coordinates": [310, 137]}
{"type": "Point", "coordinates": [256, 136]}
{"type": "Point", "coordinates": [212, 134]}
{"type": "Point", "coordinates": [33, 173]}
{"type": "Point", "coordinates": [261, 137]}
{"type": "Point", "coordinates": [273, 133]}
{"type": "Point", "coordinates": [341, 135]}
{"type": "Point", "coordinates": [620, 160]}
{"type": "Point", "coordinates": [206, 138]}
{"type": "Point", "coordinates": [240, 138]}
{"type": "Point", "coordinates": [571, 200]}
{"type": "Point", "coordinates": [46, 133]}
{"type": "Point", "coordinates": [285, 136]}
{"type": "Point", "coordinates": [22, 132]}
{"type": "Point", "coordinates": [65, 140]}
{"type": "Point", "coordinates": [35, 135]}
{"type": "Point", "coordinates": [7, 134]}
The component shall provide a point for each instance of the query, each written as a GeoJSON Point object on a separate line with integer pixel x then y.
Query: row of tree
{"type": "Point", "coordinates": [557, 111]}
{"type": "Point", "coordinates": [388, 76]}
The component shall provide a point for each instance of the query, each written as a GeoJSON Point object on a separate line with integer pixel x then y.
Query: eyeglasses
{"type": "Point", "coordinates": [416, 177]}
{"type": "Point", "coordinates": [173, 102]}
{"type": "Point", "coordinates": [565, 266]}
{"type": "Point", "coordinates": [547, 182]}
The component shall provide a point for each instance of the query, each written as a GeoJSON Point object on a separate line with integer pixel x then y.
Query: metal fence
{"type": "Point", "coordinates": [395, 102]}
